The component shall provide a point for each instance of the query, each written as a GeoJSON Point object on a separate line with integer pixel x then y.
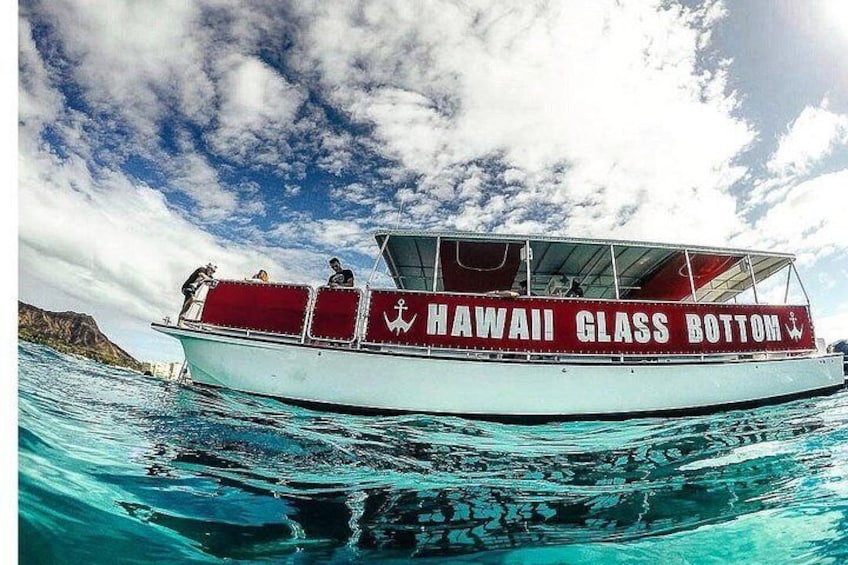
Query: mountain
{"type": "Point", "coordinates": [71, 332]}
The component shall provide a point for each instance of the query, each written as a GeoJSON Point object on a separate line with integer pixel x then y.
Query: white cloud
{"type": "Point", "coordinates": [258, 107]}
{"type": "Point", "coordinates": [129, 62]}
{"type": "Point", "coordinates": [38, 101]}
{"type": "Point", "coordinates": [811, 137]}
{"type": "Point", "coordinates": [832, 325]}
{"type": "Point", "coordinates": [810, 219]}
{"type": "Point", "coordinates": [610, 92]}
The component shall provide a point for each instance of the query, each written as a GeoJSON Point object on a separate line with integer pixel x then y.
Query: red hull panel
{"type": "Point", "coordinates": [273, 308]}
{"type": "Point", "coordinates": [334, 315]}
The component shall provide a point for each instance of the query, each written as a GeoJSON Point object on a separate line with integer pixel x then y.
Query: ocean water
{"type": "Point", "coordinates": [115, 467]}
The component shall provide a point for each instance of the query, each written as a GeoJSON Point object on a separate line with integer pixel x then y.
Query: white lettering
{"type": "Point", "coordinates": [437, 319]}
{"type": "Point", "coordinates": [462, 322]}
{"type": "Point", "coordinates": [772, 327]}
{"type": "Point", "coordinates": [711, 328]}
{"type": "Point", "coordinates": [490, 321]}
{"type": "Point", "coordinates": [661, 332]}
{"type": "Point", "coordinates": [535, 324]}
{"type": "Point", "coordinates": [549, 324]}
{"type": "Point", "coordinates": [585, 326]}
{"type": "Point", "coordinates": [643, 334]}
{"type": "Point", "coordinates": [693, 324]}
{"type": "Point", "coordinates": [728, 329]}
{"type": "Point", "coordinates": [623, 333]}
{"type": "Point", "coordinates": [758, 330]}
{"type": "Point", "coordinates": [603, 336]}
{"type": "Point", "coordinates": [743, 331]}
{"type": "Point", "coordinates": [518, 324]}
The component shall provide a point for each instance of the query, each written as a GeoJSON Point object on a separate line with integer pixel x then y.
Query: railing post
{"type": "Point", "coordinates": [614, 272]}
{"type": "Point", "coordinates": [437, 262]}
{"type": "Point", "coordinates": [753, 278]}
{"type": "Point", "coordinates": [691, 276]}
{"type": "Point", "coordinates": [788, 279]}
{"type": "Point", "coordinates": [800, 282]}
{"type": "Point", "coordinates": [377, 262]}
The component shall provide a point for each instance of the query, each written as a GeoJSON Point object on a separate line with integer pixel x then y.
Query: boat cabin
{"type": "Point", "coordinates": [610, 270]}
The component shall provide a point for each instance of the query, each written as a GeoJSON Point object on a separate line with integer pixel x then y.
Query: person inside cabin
{"type": "Point", "coordinates": [522, 289]}
{"type": "Point", "coordinates": [261, 276]}
{"type": "Point", "coordinates": [192, 283]}
{"type": "Point", "coordinates": [576, 291]}
{"type": "Point", "coordinates": [555, 286]}
{"type": "Point", "coordinates": [340, 276]}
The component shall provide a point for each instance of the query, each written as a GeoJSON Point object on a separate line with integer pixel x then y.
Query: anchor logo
{"type": "Point", "coordinates": [794, 333]}
{"type": "Point", "coordinates": [399, 324]}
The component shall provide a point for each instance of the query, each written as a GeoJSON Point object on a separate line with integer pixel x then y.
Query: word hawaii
{"type": "Point", "coordinates": [534, 324]}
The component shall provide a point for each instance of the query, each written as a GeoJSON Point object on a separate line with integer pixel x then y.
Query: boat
{"type": "Point", "coordinates": [660, 329]}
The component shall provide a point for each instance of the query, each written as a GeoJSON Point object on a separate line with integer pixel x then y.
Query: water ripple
{"type": "Point", "coordinates": [203, 475]}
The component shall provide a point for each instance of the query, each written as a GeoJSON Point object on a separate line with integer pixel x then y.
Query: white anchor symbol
{"type": "Point", "coordinates": [794, 333]}
{"type": "Point", "coordinates": [399, 324]}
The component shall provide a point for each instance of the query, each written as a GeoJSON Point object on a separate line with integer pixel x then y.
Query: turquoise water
{"type": "Point", "coordinates": [120, 468]}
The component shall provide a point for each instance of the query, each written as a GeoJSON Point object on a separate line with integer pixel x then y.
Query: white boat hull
{"type": "Point", "coordinates": [366, 381]}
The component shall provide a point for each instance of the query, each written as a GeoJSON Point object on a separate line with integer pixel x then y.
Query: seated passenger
{"type": "Point", "coordinates": [556, 286]}
{"type": "Point", "coordinates": [261, 276]}
{"type": "Point", "coordinates": [576, 291]}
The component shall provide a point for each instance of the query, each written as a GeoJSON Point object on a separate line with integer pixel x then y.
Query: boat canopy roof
{"type": "Point", "coordinates": [608, 269]}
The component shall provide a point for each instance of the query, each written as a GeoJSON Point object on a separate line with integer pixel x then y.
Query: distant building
{"type": "Point", "coordinates": [167, 371]}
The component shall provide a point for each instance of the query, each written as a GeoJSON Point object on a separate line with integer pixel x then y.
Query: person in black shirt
{"type": "Point", "coordinates": [576, 291]}
{"type": "Point", "coordinates": [192, 283]}
{"type": "Point", "coordinates": [340, 277]}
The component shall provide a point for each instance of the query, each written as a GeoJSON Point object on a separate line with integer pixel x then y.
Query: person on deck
{"type": "Point", "coordinates": [576, 291]}
{"type": "Point", "coordinates": [522, 289]}
{"type": "Point", "coordinates": [261, 276]}
{"type": "Point", "coordinates": [192, 283]}
{"type": "Point", "coordinates": [340, 276]}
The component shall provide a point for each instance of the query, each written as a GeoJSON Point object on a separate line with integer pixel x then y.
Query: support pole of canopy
{"type": "Point", "coordinates": [800, 282]}
{"type": "Point", "coordinates": [377, 262]}
{"type": "Point", "coordinates": [527, 256]}
{"type": "Point", "coordinates": [753, 278]}
{"type": "Point", "coordinates": [691, 277]}
{"type": "Point", "coordinates": [614, 272]}
{"type": "Point", "coordinates": [788, 279]}
{"type": "Point", "coordinates": [436, 263]}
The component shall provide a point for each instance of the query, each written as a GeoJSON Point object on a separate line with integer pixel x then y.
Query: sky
{"type": "Point", "coordinates": [156, 136]}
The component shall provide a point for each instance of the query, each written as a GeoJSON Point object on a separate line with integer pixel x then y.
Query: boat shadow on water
{"type": "Point", "coordinates": [257, 478]}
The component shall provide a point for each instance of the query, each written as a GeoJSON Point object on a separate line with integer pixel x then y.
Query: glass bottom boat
{"type": "Point", "coordinates": [659, 329]}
